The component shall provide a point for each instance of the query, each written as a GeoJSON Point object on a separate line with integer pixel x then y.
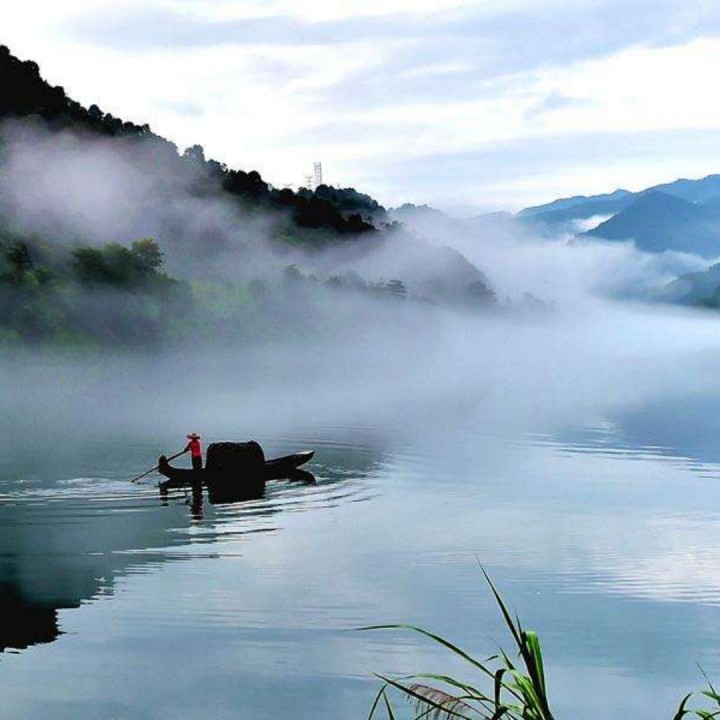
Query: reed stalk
{"type": "Point", "coordinates": [514, 689]}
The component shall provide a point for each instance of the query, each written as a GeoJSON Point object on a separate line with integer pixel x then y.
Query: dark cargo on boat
{"type": "Point", "coordinates": [235, 471]}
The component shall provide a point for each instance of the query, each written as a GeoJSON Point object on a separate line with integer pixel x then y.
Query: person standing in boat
{"type": "Point", "coordinates": [195, 451]}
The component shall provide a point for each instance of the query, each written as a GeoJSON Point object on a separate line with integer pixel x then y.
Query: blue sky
{"type": "Point", "coordinates": [464, 105]}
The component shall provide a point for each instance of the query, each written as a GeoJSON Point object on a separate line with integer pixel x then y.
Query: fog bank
{"type": "Point", "coordinates": [336, 357]}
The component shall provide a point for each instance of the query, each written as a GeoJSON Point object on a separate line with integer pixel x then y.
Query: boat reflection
{"type": "Point", "coordinates": [194, 494]}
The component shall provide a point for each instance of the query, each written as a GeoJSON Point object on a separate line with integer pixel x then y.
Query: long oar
{"type": "Point", "coordinates": [135, 479]}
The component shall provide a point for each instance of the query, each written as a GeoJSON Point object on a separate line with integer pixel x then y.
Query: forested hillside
{"type": "Point", "coordinates": [109, 235]}
{"type": "Point", "coordinates": [27, 94]}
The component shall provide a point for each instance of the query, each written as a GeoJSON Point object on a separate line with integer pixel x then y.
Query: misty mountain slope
{"type": "Point", "coordinates": [437, 273]}
{"type": "Point", "coordinates": [87, 177]}
{"type": "Point", "coordinates": [428, 268]}
{"type": "Point", "coordinates": [26, 93]}
{"type": "Point", "coordinates": [426, 221]}
{"type": "Point", "coordinates": [578, 207]}
{"type": "Point", "coordinates": [330, 212]}
{"type": "Point", "coordinates": [698, 288]}
{"type": "Point", "coordinates": [502, 226]}
{"type": "Point", "coordinates": [111, 238]}
{"type": "Point", "coordinates": [697, 191]}
{"type": "Point", "coordinates": [522, 256]}
{"type": "Point", "coordinates": [657, 222]}
{"type": "Point", "coordinates": [581, 211]}
{"type": "Point", "coordinates": [711, 202]}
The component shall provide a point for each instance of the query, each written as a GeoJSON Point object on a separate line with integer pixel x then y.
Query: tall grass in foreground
{"type": "Point", "coordinates": [516, 690]}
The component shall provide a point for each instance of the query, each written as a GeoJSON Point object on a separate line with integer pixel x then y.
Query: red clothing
{"type": "Point", "coordinates": [195, 450]}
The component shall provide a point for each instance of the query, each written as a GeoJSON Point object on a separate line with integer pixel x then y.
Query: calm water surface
{"type": "Point", "coordinates": [118, 603]}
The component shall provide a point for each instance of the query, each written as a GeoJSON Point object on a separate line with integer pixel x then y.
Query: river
{"type": "Point", "coordinates": [604, 536]}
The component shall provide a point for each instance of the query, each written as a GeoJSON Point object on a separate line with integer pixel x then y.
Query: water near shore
{"type": "Point", "coordinates": [606, 539]}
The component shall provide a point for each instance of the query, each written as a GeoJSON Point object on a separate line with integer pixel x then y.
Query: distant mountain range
{"type": "Point", "coordinates": [579, 207]}
{"type": "Point", "coordinates": [585, 206]}
{"type": "Point", "coordinates": [680, 216]}
{"type": "Point", "coordinates": [657, 221]}
{"type": "Point", "coordinates": [683, 216]}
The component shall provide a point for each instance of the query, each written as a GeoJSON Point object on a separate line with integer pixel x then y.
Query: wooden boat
{"type": "Point", "coordinates": [235, 471]}
{"type": "Point", "coordinates": [284, 467]}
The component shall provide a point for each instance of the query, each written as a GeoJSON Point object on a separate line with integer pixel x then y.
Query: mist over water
{"type": "Point", "coordinates": [565, 442]}
{"type": "Point", "coordinates": [492, 367]}
{"type": "Point", "coordinates": [362, 361]}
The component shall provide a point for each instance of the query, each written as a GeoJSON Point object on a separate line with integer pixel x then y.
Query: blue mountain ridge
{"type": "Point", "coordinates": [682, 216]}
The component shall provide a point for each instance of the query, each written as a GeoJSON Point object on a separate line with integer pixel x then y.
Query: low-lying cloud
{"type": "Point", "coordinates": [338, 357]}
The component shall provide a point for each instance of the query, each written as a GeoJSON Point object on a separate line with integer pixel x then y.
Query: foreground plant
{"type": "Point", "coordinates": [701, 713]}
{"type": "Point", "coordinates": [518, 689]}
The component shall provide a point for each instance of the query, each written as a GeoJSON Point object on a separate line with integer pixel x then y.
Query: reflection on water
{"type": "Point", "coordinates": [23, 624]}
{"type": "Point", "coordinates": [66, 540]}
{"type": "Point", "coordinates": [605, 538]}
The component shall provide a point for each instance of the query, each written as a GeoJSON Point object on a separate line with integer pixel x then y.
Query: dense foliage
{"type": "Point", "coordinates": [119, 296]}
{"type": "Point", "coordinates": [111, 295]}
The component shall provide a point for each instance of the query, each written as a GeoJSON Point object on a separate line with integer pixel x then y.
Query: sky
{"type": "Point", "coordinates": [467, 106]}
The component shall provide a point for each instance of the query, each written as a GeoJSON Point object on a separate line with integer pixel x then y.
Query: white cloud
{"type": "Point", "coordinates": [358, 102]}
{"type": "Point", "coordinates": [638, 89]}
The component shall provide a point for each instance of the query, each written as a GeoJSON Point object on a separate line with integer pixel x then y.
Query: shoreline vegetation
{"type": "Point", "coordinates": [115, 296]}
{"type": "Point", "coordinates": [516, 689]}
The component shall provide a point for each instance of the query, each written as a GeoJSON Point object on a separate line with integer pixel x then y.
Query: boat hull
{"type": "Point", "coordinates": [229, 487]}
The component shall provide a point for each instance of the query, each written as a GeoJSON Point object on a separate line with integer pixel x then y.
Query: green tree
{"type": "Point", "coordinates": [19, 260]}
{"type": "Point", "coordinates": [196, 152]}
{"type": "Point", "coordinates": [147, 256]}
{"type": "Point", "coordinates": [119, 266]}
